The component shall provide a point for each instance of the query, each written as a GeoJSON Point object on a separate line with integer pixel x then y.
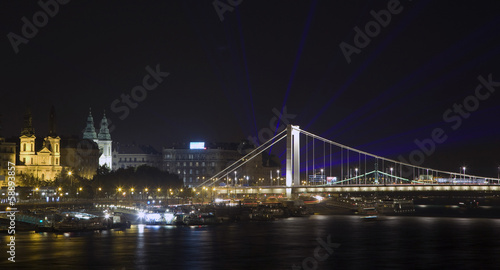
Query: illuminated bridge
{"type": "Point", "coordinates": [318, 165]}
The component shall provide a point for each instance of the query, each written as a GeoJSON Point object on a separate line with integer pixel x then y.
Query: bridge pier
{"type": "Point", "coordinates": [292, 158]}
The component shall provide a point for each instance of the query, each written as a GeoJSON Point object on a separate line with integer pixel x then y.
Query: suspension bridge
{"type": "Point", "coordinates": [318, 165]}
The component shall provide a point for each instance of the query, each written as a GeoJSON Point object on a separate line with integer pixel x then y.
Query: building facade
{"type": "Point", "coordinates": [194, 165]}
{"type": "Point", "coordinates": [39, 158]}
{"type": "Point", "coordinates": [81, 157]}
{"type": "Point", "coordinates": [7, 154]}
{"type": "Point", "coordinates": [132, 155]}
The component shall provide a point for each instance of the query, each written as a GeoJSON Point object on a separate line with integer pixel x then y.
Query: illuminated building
{"type": "Point", "coordinates": [195, 163]}
{"type": "Point", "coordinates": [40, 159]}
{"type": "Point", "coordinates": [103, 139]}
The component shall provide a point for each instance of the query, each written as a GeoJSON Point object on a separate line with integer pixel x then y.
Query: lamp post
{"type": "Point", "coordinates": [463, 168]}
{"type": "Point", "coordinates": [322, 181]}
{"type": "Point", "coordinates": [70, 179]}
{"type": "Point", "coordinates": [357, 181]}
{"type": "Point", "coordinates": [235, 180]}
{"type": "Point", "coordinates": [278, 171]}
{"type": "Point", "coordinates": [392, 178]}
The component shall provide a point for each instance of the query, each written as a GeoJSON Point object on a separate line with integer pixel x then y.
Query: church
{"type": "Point", "coordinates": [103, 139]}
{"type": "Point", "coordinates": [39, 158]}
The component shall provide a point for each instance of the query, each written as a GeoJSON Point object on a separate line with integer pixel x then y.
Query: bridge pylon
{"type": "Point", "coordinates": [292, 158]}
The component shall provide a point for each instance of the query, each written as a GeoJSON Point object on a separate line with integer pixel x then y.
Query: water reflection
{"type": "Point", "coordinates": [393, 242]}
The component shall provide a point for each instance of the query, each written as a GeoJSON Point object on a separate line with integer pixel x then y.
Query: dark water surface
{"type": "Point", "coordinates": [391, 243]}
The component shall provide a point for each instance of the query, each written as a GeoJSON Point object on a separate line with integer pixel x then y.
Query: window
{"type": "Point", "coordinates": [190, 171]}
{"type": "Point", "coordinates": [197, 164]}
{"type": "Point", "coordinates": [191, 163]}
{"type": "Point", "coordinates": [57, 161]}
{"type": "Point", "coordinates": [24, 147]}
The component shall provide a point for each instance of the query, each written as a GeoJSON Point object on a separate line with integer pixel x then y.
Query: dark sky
{"type": "Point", "coordinates": [226, 77]}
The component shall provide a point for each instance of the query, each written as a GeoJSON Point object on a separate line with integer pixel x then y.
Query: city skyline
{"type": "Point", "coordinates": [209, 78]}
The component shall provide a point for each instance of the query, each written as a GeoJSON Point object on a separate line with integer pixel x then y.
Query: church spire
{"type": "Point", "coordinates": [52, 122]}
{"type": "Point", "coordinates": [104, 131]}
{"type": "Point", "coordinates": [89, 132]}
{"type": "Point", "coordinates": [28, 129]}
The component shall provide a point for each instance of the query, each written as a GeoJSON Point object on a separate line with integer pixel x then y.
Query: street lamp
{"type": "Point", "coordinates": [464, 172]}
{"type": "Point", "coordinates": [322, 176]}
{"type": "Point", "coordinates": [357, 181]}
{"type": "Point", "coordinates": [70, 178]}
{"type": "Point", "coordinates": [279, 178]}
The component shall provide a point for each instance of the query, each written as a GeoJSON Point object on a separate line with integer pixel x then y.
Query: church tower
{"type": "Point", "coordinates": [104, 142]}
{"type": "Point", "coordinates": [89, 132]}
{"type": "Point", "coordinates": [27, 154]}
{"type": "Point", "coordinates": [53, 142]}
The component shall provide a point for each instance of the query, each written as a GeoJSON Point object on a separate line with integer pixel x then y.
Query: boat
{"type": "Point", "coordinates": [369, 213]}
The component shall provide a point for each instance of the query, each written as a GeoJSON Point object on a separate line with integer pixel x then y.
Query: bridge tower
{"type": "Point", "coordinates": [292, 158]}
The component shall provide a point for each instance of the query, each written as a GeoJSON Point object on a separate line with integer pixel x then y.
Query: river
{"type": "Point", "coordinates": [315, 242]}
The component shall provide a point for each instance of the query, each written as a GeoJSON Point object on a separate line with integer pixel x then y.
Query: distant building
{"type": "Point", "coordinates": [80, 156]}
{"type": "Point", "coordinates": [7, 154]}
{"type": "Point", "coordinates": [103, 139]}
{"type": "Point", "coordinates": [39, 158]}
{"type": "Point", "coordinates": [196, 162]}
{"type": "Point", "coordinates": [132, 155]}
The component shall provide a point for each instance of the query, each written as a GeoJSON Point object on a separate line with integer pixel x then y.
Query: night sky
{"type": "Point", "coordinates": [226, 76]}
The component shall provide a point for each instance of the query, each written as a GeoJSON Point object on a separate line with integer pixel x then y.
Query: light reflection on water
{"type": "Point", "coordinates": [390, 243]}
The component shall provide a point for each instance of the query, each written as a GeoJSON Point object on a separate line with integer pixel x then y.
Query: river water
{"type": "Point", "coordinates": [315, 242]}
